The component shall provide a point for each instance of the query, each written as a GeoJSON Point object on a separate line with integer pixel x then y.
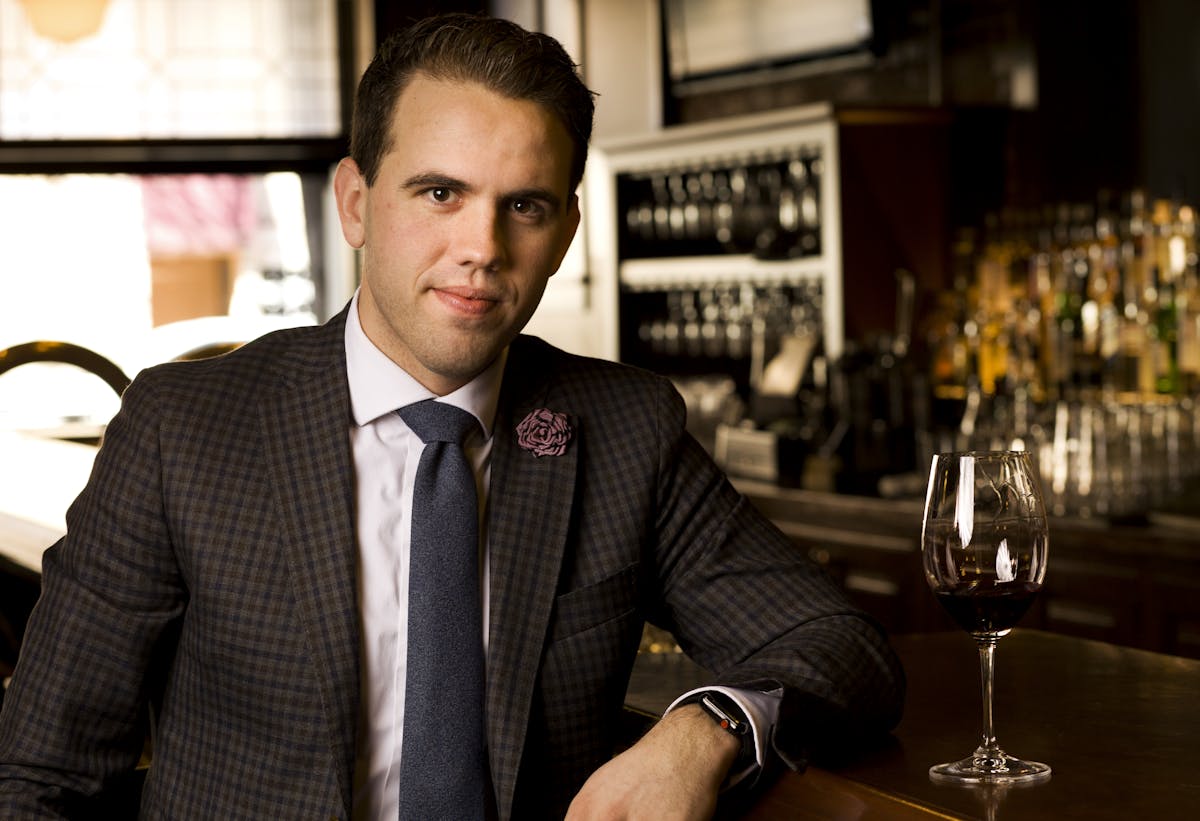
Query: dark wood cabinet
{"type": "Point", "coordinates": [1136, 585]}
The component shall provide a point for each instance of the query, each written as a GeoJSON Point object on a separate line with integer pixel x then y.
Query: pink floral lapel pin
{"type": "Point", "coordinates": [544, 433]}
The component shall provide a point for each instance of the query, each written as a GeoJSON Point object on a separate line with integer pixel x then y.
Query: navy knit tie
{"type": "Point", "coordinates": [443, 761]}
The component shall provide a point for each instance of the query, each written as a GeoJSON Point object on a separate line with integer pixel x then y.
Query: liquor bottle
{"type": "Point", "coordinates": [1068, 320]}
{"type": "Point", "coordinates": [1187, 301]}
{"type": "Point", "coordinates": [1107, 284]}
{"type": "Point", "coordinates": [992, 312]}
{"type": "Point", "coordinates": [1089, 280]}
{"type": "Point", "coordinates": [1142, 294]}
{"type": "Point", "coordinates": [1160, 302]}
{"type": "Point", "coordinates": [1165, 335]}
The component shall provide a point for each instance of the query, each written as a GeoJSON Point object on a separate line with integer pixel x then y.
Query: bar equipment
{"type": "Point", "coordinates": [724, 244]}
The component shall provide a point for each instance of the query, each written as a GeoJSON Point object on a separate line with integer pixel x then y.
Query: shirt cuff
{"type": "Point", "coordinates": [761, 709]}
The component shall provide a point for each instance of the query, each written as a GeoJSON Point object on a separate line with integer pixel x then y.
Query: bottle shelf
{"type": "Point", "coordinates": [683, 272]}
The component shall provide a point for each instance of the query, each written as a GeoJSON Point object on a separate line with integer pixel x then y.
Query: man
{"type": "Point", "coordinates": [239, 558]}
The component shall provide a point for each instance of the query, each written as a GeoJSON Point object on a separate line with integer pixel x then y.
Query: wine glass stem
{"type": "Point", "coordinates": [987, 668]}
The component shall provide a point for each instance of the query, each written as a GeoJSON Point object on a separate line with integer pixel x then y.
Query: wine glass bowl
{"type": "Point", "coordinates": [984, 545]}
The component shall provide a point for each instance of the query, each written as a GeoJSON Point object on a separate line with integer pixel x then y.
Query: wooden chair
{"type": "Point", "coordinates": [69, 353]}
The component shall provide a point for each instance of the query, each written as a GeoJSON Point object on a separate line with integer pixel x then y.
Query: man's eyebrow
{"type": "Point", "coordinates": [435, 181]}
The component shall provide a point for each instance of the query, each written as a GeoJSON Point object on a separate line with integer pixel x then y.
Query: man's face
{"type": "Point", "coordinates": [469, 216]}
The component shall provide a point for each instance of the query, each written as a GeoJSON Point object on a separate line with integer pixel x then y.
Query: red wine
{"type": "Point", "coordinates": [988, 610]}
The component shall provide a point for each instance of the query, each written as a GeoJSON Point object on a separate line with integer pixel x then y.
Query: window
{"type": "Point", "coordinates": [168, 69]}
{"type": "Point", "coordinates": [164, 170]}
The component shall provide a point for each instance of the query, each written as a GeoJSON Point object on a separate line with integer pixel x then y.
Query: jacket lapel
{"type": "Point", "coordinates": [305, 423]}
{"type": "Point", "coordinates": [528, 522]}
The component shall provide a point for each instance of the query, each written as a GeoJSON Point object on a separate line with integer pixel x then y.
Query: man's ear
{"type": "Point", "coordinates": [350, 194]}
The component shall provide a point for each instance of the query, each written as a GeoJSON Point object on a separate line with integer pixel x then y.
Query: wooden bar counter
{"type": "Point", "coordinates": [1119, 726]}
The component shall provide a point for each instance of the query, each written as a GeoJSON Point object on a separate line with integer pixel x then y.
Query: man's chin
{"type": "Point", "coordinates": [464, 363]}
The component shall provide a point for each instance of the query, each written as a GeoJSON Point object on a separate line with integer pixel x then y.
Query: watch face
{"type": "Point", "coordinates": [727, 715]}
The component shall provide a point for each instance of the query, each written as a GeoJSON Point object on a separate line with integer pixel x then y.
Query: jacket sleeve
{"type": "Point", "coordinates": [749, 606]}
{"type": "Point", "coordinates": [75, 715]}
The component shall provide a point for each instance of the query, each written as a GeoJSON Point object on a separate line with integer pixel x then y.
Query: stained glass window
{"type": "Point", "coordinates": [152, 69]}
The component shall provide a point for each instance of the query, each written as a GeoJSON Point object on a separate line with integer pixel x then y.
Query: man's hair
{"type": "Point", "coordinates": [493, 52]}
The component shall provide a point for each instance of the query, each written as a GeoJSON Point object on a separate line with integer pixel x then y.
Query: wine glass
{"type": "Point", "coordinates": [984, 543]}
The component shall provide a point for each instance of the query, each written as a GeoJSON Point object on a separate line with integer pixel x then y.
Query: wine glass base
{"type": "Point", "coordinates": [996, 767]}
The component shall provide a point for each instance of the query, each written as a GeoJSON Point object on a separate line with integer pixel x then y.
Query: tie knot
{"type": "Point", "coordinates": [438, 422]}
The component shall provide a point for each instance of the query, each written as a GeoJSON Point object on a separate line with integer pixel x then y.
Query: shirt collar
{"type": "Point", "coordinates": [379, 386]}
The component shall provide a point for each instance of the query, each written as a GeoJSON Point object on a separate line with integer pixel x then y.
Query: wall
{"type": "Point", "coordinates": [1168, 90]}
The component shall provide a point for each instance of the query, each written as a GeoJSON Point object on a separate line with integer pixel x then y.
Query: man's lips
{"type": "Point", "coordinates": [467, 300]}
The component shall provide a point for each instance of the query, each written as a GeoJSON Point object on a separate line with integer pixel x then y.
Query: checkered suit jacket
{"type": "Point", "coordinates": [209, 569]}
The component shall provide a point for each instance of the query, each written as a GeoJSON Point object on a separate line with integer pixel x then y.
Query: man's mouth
{"type": "Point", "coordinates": [467, 300]}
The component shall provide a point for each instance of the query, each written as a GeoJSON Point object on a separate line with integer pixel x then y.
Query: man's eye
{"type": "Point", "coordinates": [440, 194]}
{"type": "Point", "coordinates": [527, 208]}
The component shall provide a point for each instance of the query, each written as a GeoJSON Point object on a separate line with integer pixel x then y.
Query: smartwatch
{"type": "Point", "coordinates": [730, 718]}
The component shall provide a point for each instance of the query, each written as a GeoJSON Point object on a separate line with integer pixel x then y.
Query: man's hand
{"type": "Point", "coordinates": [674, 772]}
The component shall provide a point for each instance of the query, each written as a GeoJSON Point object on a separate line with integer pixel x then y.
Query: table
{"type": "Point", "coordinates": [39, 478]}
{"type": "Point", "coordinates": [1119, 726]}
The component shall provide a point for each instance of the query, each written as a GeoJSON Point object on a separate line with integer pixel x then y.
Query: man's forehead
{"type": "Point", "coordinates": [536, 146]}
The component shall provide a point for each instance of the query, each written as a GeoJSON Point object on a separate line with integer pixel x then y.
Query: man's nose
{"type": "Point", "coordinates": [481, 243]}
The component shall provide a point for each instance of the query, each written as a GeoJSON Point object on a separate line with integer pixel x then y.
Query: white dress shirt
{"type": "Point", "coordinates": [386, 454]}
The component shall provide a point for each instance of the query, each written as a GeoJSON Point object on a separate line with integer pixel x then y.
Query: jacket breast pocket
{"type": "Point", "coordinates": [586, 607]}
